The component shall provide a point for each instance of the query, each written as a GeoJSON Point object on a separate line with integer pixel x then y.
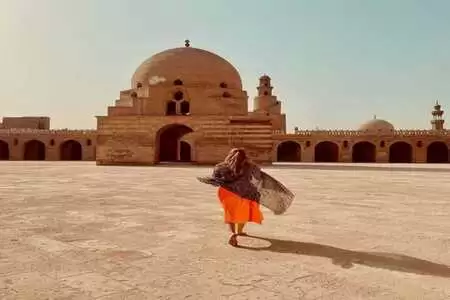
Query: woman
{"type": "Point", "coordinates": [238, 194]}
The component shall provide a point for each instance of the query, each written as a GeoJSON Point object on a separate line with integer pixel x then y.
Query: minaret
{"type": "Point", "coordinates": [267, 104]}
{"type": "Point", "coordinates": [265, 101]}
{"type": "Point", "coordinates": [437, 122]}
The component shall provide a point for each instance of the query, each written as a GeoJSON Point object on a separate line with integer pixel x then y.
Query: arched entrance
{"type": "Point", "coordinates": [289, 151]}
{"type": "Point", "coordinates": [4, 150]}
{"type": "Point", "coordinates": [326, 152]}
{"type": "Point", "coordinates": [34, 150]}
{"type": "Point", "coordinates": [70, 150]}
{"type": "Point", "coordinates": [170, 148]}
{"type": "Point", "coordinates": [185, 151]}
{"type": "Point", "coordinates": [400, 152]}
{"type": "Point", "coordinates": [437, 153]}
{"type": "Point", "coordinates": [364, 152]}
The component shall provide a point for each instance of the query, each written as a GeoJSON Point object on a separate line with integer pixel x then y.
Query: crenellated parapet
{"type": "Point", "coordinates": [420, 132]}
{"type": "Point", "coordinates": [354, 133]}
{"type": "Point", "coordinates": [65, 132]}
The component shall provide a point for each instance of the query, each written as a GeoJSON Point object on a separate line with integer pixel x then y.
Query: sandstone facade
{"type": "Point", "coordinates": [188, 105]}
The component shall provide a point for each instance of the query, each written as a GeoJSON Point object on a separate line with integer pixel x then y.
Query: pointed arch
{"type": "Point", "coordinates": [34, 150]}
{"type": "Point", "coordinates": [169, 147]}
{"type": "Point", "coordinates": [364, 152]}
{"type": "Point", "coordinates": [400, 152]}
{"type": "Point", "coordinates": [289, 151]}
{"type": "Point", "coordinates": [326, 151]}
{"type": "Point", "coordinates": [4, 150]}
{"type": "Point", "coordinates": [437, 153]}
{"type": "Point", "coordinates": [71, 150]}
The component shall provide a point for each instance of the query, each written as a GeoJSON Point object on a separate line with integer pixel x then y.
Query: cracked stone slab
{"type": "Point", "coordinates": [157, 233]}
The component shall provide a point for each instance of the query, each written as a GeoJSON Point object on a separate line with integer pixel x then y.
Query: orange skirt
{"type": "Point", "coordinates": [237, 209]}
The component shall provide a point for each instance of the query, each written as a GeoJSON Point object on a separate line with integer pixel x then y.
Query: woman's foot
{"type": "Point", "coordinates": [233, 240]}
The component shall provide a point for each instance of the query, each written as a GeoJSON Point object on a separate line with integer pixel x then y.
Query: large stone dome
{"type": "Point", "coordinates": [377, 126]}
{"type": "Point", "coordinates": [191, 66]}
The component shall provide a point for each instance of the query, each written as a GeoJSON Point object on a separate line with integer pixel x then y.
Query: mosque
{"type": "Point", "coordinates": [188, 105]}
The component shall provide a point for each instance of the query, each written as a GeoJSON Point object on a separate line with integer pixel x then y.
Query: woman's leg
{"type": "Point", "coordinates": [240, 229]}
{"type": "Point", "coordinates": [232, 227]}
{"type": "Point", "coordinates": [233, 238]}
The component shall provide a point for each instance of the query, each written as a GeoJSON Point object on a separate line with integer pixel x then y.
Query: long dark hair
{"type": "Point", "coordinates": [237, 160]}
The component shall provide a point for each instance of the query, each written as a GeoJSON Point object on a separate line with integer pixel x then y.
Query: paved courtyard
{"type": "Point", "coordinates": [77, 231]}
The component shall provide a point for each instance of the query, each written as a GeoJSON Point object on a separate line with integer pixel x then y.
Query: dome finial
{"type": "Point", "coordinates": [374, 117]}
{"type": "Point", "coordinates": [187, 43]}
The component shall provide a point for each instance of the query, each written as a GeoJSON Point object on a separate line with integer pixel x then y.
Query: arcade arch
{"type": "Point", "coordinates": [70, 150]}
{"type": "Point", "coordinates": [364, 152]}
{"type": "Point", "coordinates": [4, 150]}
{"type": "Point", "coordinates": [34, 150]}
{"type": "Point", "coordinates": [289, 151]}
{"type": "Point", "coordinates": [326, 151]}
{"type": "Point", "coordinates": [401, 152]}
{"type": "Point", "coordinates": [170, 147]}
{"type": "Point", "coordinates": [437, 153]}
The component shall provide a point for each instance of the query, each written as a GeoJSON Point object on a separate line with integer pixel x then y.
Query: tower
{"type": "Point", "coordinates": [266, 103]}
{"type": "Point", "coordinates": [437, 123]}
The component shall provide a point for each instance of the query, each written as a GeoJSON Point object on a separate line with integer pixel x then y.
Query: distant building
{"type": "Point", "coordinates": [188, 105]}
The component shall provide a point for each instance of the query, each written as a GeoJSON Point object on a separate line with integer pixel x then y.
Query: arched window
{"type": "Point", "coordinates": [178, 82]}
{"type": "Point", "coordinates": [178, 96]}
{"type": "Point", "coordinates": [171, 108]}
{"type": "Point", "coordinates": [185, 108]}
{"type": "Point", "coordinates": [223, 85]}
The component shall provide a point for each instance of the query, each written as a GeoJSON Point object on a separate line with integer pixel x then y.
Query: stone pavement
{"type": "Point", "coordinates": [77, 231]}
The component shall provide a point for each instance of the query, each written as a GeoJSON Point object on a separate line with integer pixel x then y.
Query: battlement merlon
{"type": "Point", "coordinates": [353, 133]}
{"type": "Point", "coordinates": [74, 132]}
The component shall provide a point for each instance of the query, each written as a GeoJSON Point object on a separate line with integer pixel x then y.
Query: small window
{"type": "Point", "coordinates": [16, 142]}
{"type": "Point", "coordinates": [139, 85]}
{"type": "Point", "coordinates": [171, 108]}
{"type": "Point", "coordinates": [185, 108]}
{"type": "Point", "coordinates": [223, 85]}
{"type": "Point", "coordinates": [382, 144]}
{"type": "Point", "coordinates": [89, 142]}
{"type": "Point", "coordinates": [419, 144]}
{"type": "Point", "coordinates": [52, 142]}
{"type": "Point", "coordinates": [178, 82]}
{"type": "Point", "coordinates": [178, 96]}
{"type": "Point", "coordinates": [266, 93]}
{"type": "Point", "coordinates": [226, 95]}
{"type": "Point", "coordinates": [308, 144]}
{"type": "Point", "coordinates": [133, 95]}
{"type": "Point", "coordinates": [345, 144]}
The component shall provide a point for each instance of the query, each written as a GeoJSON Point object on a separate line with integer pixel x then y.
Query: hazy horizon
{"type": "Point", "coordinates": [334, 64]}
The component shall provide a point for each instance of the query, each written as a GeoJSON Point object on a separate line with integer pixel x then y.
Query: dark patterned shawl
{"type": "Point", "coordinates": [253, 184]}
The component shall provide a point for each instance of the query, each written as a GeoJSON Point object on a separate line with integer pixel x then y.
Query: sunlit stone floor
{"type": "Point", "coordinates": [77, 231]}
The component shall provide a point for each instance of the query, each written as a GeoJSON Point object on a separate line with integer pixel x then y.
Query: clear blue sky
{"type": "Point", "coordinates": [334, 63]}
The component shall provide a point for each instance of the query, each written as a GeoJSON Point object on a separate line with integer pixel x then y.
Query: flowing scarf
{"type": "Point", "coordinates": [272, 194]}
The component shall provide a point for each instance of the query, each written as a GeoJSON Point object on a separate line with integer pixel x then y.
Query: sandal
{"type": "Point", "coordinates": [233, 240]}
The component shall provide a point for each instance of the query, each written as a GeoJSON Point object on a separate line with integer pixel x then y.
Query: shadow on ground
{"type": "Point", "coordinates": [347, 258]}
{"type": "Point", "coordinates": [361, 167]}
